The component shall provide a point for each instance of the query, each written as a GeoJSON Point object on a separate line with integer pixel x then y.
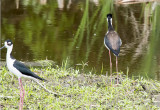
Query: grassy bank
{"type": "Point", "coordinates": [78, 91]}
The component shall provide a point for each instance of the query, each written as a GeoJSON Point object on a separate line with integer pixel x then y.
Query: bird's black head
{"type": "Point", "coordinates": [109, 18]}
{"type": "Point", "coordinates": [109, 15]}
{"type": "Point", "coordinates": [7, 44]}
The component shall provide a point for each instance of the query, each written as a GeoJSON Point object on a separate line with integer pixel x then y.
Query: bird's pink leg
{"type": "Point", "coordinates": [22, 92]}
{"type": "Point", "coordinates": [20, 103]}
{"type": "Point", "coordinates": [110, 63]}
{"type": "Point", "coordinates": [117, 64]}
{"type": "Point", "coordinates": [117, 69]}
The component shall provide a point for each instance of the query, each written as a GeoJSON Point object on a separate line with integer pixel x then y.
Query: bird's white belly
{"type": "Point", "coordinates": [13, 69]}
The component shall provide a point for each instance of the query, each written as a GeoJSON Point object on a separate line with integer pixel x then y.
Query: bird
{"type": "Point", "coordinates": [19, 69]}
{"type": "Point", "coordinates": [112, 42]}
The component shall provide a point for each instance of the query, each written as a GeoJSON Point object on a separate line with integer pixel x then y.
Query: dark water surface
{"type": "Point", "coordinates": [74, 29]}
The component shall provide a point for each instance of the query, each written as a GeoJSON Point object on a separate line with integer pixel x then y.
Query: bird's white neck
{"type": "Point", "coordinates": [110, 27]}
{"type": "Point", "coordinates": [109, 21]}
{"type": "Point", "coordinates": [9, 50]}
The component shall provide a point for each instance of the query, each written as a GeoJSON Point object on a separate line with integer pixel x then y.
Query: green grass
{"type": "Point", "coordinates": [78, 91]}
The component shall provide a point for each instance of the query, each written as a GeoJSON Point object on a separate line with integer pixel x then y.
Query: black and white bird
{"type": "Point", "coordinates": [112, 42]}
{"type": "Point", "coordinates": [19, 69]}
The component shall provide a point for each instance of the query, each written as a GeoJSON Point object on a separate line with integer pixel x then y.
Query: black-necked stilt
{"type": "Point", "coordinates": [112, 42]}
{"type": "Point", "coordinates": [19, 69]}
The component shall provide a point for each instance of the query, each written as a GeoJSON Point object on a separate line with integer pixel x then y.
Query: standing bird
{"type": "Point", "coordinates": [19, 69]}
{"type": "Point", "coordinates": [112, 42]}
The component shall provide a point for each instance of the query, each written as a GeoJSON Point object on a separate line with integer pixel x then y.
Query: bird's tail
{"type": "Point", "coordinates": [37, 77]}
{"type": "Point", "coordinates": [116, 52]}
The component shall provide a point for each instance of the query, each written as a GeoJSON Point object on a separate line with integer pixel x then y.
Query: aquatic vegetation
{"type": "Point", "coordinates": [46, 31]}
{"type": "Point", "coordinates": [153, 51]}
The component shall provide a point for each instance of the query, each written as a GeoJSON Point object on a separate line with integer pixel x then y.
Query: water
{"type": "Point", "coordinates": [75, 29]}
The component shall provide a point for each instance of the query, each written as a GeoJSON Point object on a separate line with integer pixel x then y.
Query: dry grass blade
{"type": "Point", "coordinates": [133, 1]}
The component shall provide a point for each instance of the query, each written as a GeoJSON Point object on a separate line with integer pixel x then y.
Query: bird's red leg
{"type": "Point", "coordinates": [20, 103]}
{"type": "Point", "coordinates": [22, 92]}
{"type": "Point", "coordinates": [110, 63]}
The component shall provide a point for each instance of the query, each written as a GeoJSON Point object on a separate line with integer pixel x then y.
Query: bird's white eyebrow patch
{"type": "Point", "coordinates": [9, 43]}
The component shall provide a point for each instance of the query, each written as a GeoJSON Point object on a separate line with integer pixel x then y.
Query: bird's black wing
{"type": "Point", "coordinates": [109, 46]}
{"type": "Point", "coordinates": [24, 70]}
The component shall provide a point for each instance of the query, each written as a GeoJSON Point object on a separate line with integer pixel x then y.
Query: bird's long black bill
{"type": "Point", "coordinates": [2, 47]}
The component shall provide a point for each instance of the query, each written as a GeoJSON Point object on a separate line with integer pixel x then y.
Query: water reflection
{"type": "Point", "coordinates": [75, 29]}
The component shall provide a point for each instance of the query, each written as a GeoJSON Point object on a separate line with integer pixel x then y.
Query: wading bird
{"type": "Point", "coordinates": [19, 69]}
{"type": "Point", "coordinates": [112, 42]}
